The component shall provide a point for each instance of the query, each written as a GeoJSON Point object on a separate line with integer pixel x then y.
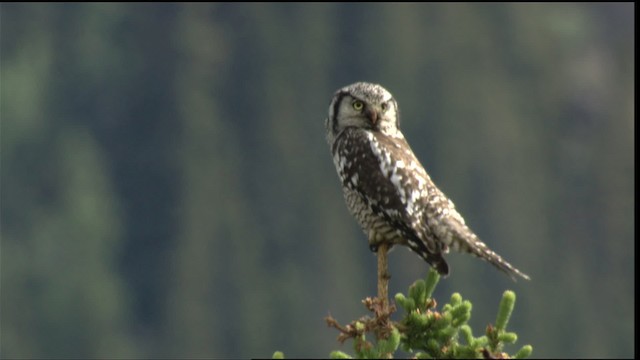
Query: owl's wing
{"type": "Point", "coordinates": [386, 174]}
{"type": "Point", "coordinates": [433, 216]}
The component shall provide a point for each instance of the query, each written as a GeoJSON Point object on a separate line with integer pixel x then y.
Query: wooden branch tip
{"type": "Point", "coordinates": [383, 276]}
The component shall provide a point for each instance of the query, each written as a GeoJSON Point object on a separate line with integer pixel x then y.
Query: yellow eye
{"type": "Point", "coordinates": [358, 105]}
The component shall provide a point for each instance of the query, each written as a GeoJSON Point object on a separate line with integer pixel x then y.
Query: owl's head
{"type": "Point", "coordinates": [363, 105]}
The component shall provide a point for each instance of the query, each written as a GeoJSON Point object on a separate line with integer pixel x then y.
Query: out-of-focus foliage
{"type": "Point", "coordinates": [166, 190]}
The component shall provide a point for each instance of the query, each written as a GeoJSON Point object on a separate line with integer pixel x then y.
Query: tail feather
{"type": "Point", "coordinates": [476, 247]}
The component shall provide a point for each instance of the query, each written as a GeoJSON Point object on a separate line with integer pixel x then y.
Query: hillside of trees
{"type": "Point", "coordinates": [166, 190]}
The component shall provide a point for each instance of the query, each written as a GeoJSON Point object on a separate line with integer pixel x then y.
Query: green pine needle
{"type": "Point", "coordinates": [506, 308]}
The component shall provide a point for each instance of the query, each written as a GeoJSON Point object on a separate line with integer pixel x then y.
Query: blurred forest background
{"type": "Point", "coordinates": [167, 192]}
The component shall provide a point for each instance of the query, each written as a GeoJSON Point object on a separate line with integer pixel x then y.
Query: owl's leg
{"type": "Point", "coordinates": [376, 239]}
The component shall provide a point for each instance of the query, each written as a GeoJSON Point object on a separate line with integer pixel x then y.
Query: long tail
{"type": "Point", "coordinates": [464, 240]}
{"type": "Point", "coordinates": [471, 244]}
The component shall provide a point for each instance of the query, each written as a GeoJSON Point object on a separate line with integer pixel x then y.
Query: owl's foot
{"type": "Point", "coordinates": [373, 246]}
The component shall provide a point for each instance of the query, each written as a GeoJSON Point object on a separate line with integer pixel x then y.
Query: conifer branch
{"type": "Point", "coordinates": [424, 331]}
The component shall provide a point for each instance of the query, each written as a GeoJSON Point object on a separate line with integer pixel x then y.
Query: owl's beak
{"type": "Point", "coordinates": [372, 115]}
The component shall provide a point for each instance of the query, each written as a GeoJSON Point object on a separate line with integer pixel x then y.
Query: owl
{"type": "Point", "coordinates": [386, 188]}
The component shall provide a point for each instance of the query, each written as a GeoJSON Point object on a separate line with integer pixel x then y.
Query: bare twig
{"type": "Point", "coordinates": [383, 276]}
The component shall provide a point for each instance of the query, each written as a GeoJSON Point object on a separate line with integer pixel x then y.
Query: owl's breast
{"type": "Point", "coordinates": [378, 227]}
